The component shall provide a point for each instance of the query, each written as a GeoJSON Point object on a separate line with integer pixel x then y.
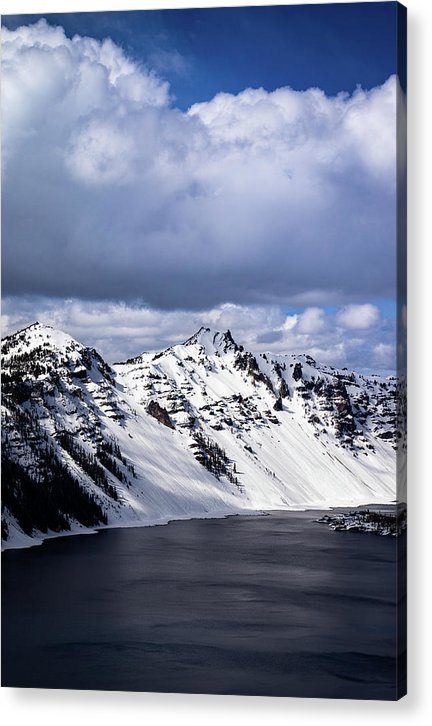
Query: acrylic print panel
{"type": "Point", "coordinates": [204, 303]}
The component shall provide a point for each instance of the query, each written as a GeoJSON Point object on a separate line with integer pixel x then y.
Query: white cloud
{"type": "Point", "coordinates": [311, 321]}
{"type": "Point", "coordinates": [384, 355]}
{"type": "Point", "coordinates": [258, 198]}
{"type": "Point", "coordinates": [121, 330]}
{"type": "Point", "coordinates": [51, 82]}
{"type": "Point", "coordinates": [358, 317]}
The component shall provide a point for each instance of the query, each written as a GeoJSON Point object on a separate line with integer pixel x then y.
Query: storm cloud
{"type": "Point", "coordinates": [111, 192]}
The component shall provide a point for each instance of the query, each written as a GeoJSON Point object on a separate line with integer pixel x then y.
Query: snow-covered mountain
{"type": "Point", "coordinates": [204, 428]}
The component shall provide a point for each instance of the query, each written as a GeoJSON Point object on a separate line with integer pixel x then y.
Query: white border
{"type": "Point", "coordinates": [42, 708]}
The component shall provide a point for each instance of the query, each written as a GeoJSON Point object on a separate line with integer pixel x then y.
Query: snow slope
{"type": "Point", "coordinates": [300, 434]}
{"type": "Point", "coordinates": [204, 428]}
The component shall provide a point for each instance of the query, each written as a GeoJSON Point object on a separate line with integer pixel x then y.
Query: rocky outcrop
{"type": "Point", "coordinates": [160, 414]}
{"type": "Point", "coordinates": [278, 405]}
{"type": "Point", "coordinates": [297, 371]}
{"type": "Point", "coordinates": [283, 389]}
{"type": "Point", "coordinates": [247, 362]}
{"type": "Point", "coordinates": [344, 420]}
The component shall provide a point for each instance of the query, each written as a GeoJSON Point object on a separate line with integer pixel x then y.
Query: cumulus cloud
{"type": "Point", "coordinates": [122, 330]}
{"type": "Point", "coordinates": [358, 317]}
{"type": "Point", "coordinates": [312, 321]}
{"type": "Point", "coordinates": [109, 191]}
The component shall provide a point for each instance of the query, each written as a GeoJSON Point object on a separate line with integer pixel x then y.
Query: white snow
{"type": "Point", "coordinates": [295, 463]}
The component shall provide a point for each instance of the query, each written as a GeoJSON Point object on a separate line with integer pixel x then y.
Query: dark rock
{"type": "Point", "coordinates": [318, 386]}
{"type": "Point", "coordinates": [230, 342]}
{"type": "Point", "coordinates": [160, 414]}
{"type": "Point", "coordinates": [297, 372]}
{"type": "Point", "coordinates": [385, 435]}
{"type": "Point", "coordinates": [248, 363]}
{"type": "Point", "coordinates": [283, 389]}
{"type": "Point", "coordinates": [80, 373]}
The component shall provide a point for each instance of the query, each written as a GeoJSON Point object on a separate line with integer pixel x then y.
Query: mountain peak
{"type": "Point", "coordinates": [197, 337]}
{"type": "Point", "coordinates": [213, 340]}
{"type": "Point", "coordinates": [37, 326]}
{"type": "Point", "coordinates": [35, 335]}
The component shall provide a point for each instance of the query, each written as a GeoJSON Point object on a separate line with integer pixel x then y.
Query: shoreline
{"type": "Point", "coordinates": [38, 541]}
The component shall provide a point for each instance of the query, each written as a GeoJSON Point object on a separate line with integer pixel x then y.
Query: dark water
{"type": "Point", "coordinates": [275, 605]}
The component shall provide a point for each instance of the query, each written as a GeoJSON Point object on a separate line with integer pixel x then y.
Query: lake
{"type": "Point", "coordinates": [271, 605]}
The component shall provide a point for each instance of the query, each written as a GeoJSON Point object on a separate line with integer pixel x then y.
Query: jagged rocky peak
{"type": "Point", "coordinates": [197, 338]}
{"type": "Point", "coordinates": [214, 341]}
{"type": "Point", "coordinates": [209, 340]}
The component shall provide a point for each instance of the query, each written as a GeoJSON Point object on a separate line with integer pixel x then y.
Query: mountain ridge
{"type": "Point", "coordinates": [202, 428]}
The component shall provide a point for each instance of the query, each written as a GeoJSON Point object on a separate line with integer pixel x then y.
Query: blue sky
{"type": "Point", "coordinates": [232, 167]}
{"type": "Point", "coordinates": [332, 46]}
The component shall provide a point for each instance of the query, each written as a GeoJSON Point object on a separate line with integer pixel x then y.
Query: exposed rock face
{"type": "Point", "coordinates": [387, 435]}
{"type": "Point", "coordinates": [247, 362]}
{"type": "Point", "coordinates": [297, 372]}
{"type": "Point", "coordinates": [278, 405]}
{"type": "Point", "coordinates": [345, 424]}
{"type": "Point", "coordinates": [160, 414]}
{"type": "Point", "coordinates": [283, 389]}
{"type": "Point", "coordinates": [318, 386]}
